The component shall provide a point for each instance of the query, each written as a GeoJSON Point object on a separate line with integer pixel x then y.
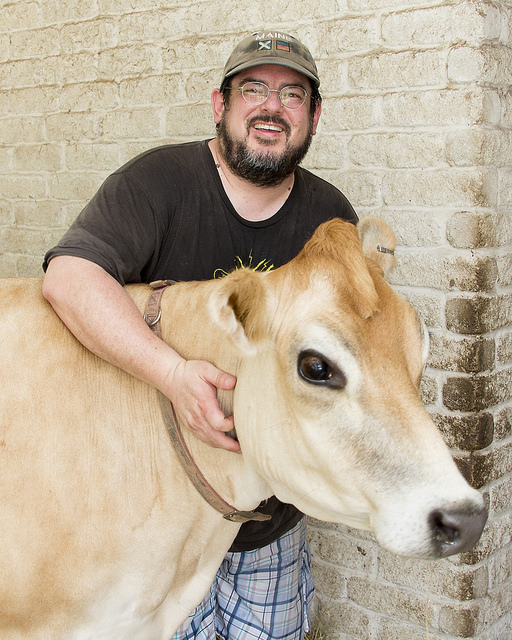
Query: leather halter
{"type": "Point", "coordinates": [152, 315]}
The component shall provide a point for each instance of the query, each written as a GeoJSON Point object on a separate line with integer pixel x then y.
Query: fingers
{"type": "Point", "coordinates": [193, 393]}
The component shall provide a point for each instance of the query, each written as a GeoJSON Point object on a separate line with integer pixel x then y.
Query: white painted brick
{"type": "Point", "coordinates": [129, 61]}
{"type": "Point", "coordinates": [396, 150]}
{"type": "Point", "coordinates": [342, 114]}
{"type": "Point", "coordinates": [465, 65]}
{"type": "Point", "coordinates": [435, 108]}
{"type": "Point", "coordinates": [77, 185]}
{"type": "Point", "coordinates": [33, 100]}
{"type": "Point", "coordinates": [37, 43]}
{"type": "Point", "coordinates": [56, 11]}
{"type": "Point", "coordinates": [94, 35]}
{"type": "Point", "coordinates": [169, 89]}
{"type": "Point", "coordinates": [132, 123]}
{"type": "Point", "coordinates": [97, 156]}
{"type": "Point", "coordinates": [73, 126]}
{"type": "Point", "coordinates": [21, 15]}
{"type": "Point", "coordinates": [21, 130]}
{"type": "Point", "coordinates": [450, 24]}
{"type": "Point", "coordinates": [38, 157]}
{"type": "Point", "coordinates": [437, 188]}
{"type": "Point", "coordinates": [89, 96]}
{"type": "Point", "coordinates": [400, 69]}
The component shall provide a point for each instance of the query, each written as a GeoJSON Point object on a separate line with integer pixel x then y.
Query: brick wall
{"type": "Point", "coordinates": [416, 128]}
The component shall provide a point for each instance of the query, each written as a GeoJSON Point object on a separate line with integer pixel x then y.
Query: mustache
{"type": "Point", "coordinates": [276, 120]}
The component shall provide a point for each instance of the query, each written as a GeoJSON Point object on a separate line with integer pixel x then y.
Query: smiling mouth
{"type": "Point", "coordinates": [269, 127]}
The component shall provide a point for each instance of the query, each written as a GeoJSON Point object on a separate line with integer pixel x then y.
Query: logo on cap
{"type": "Point", "coordinates": [264, 45]}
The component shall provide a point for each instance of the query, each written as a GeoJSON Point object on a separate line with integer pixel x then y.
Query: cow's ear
{"type": "Point", "coordinates": [238, 306]}
{"type": "Point", "coordinates": [378, 242]}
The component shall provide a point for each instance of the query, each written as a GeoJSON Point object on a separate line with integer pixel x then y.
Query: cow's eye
{"type": "Point", "coordinates": [315, 368]}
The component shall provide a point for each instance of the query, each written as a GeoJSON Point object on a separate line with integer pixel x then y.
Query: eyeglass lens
{"type": "Point", "coordinates": [257, 92]}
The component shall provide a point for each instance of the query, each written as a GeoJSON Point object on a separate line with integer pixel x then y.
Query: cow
{"type": "Point", "coordinates": [105, 536]}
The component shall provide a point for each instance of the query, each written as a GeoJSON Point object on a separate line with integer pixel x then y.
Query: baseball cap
{"type": "Point", "coordinates": [271, 47]}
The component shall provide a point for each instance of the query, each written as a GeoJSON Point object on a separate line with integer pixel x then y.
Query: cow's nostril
{"type": "Point", "coordinates": [444, 533]}
{"type": "Point", "coordinates": [456, 531]}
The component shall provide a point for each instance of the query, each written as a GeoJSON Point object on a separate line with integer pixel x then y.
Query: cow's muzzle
{"type": "Point", "coordinates": [456, 531]}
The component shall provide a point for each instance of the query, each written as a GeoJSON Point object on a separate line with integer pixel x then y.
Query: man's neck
{"type": "Point", "coordinates": [251, 202]}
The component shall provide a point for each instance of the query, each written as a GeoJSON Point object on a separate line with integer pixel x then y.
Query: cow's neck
{"type": "Point", "coordinates": [188, 328]}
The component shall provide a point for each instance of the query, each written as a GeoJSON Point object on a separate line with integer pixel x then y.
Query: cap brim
{"type": "Point", "coordinates": [273, 60]}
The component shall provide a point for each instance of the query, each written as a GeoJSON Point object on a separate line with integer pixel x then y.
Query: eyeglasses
{"type": "Point", "coordinates": [257, 93]}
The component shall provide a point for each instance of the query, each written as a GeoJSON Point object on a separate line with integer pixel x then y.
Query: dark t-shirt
{"type": "Point", "coordinates": [165, 215]}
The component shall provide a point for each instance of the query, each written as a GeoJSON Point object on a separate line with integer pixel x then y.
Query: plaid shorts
{"type": "Point", "coordinates": [263, 594]}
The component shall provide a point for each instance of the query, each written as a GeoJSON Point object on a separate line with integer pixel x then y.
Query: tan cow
{"type": "Point", "coordinates": [103, 536]}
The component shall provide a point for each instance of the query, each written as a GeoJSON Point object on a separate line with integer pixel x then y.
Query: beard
{"type": "Point", "coordinates": [262, 168]}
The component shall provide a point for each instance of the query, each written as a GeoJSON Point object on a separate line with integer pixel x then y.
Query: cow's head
{"type": "Point", "coordinates": [327, 403]}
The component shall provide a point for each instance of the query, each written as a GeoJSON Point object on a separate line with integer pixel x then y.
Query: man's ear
{"type": "Point", "coordinates": [217, 100]}
{"type": "Point", "coordinates": [238, 306]}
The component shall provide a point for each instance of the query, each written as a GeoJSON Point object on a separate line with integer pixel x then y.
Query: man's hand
{"type": "Point", "coordinates": [192, 389]}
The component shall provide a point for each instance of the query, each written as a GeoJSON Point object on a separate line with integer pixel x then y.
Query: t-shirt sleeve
{"type": "Point", "coordinates": [118, 230]}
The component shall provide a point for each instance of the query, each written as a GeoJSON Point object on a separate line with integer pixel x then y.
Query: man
{"type": "Point", "coordinates": [192, 212]}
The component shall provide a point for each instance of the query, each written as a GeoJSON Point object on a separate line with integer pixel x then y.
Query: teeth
{"type": "Point", "coordinates": [268, 127]}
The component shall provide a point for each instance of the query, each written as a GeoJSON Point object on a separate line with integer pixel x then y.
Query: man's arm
{"type": "Point", "coordinates": [102, 316]}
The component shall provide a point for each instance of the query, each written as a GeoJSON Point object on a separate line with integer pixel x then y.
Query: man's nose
{"type": "Point", "coordinates": [273, 102]}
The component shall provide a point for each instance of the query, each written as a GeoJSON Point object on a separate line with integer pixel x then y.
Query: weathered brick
{"type": "Point", "coordinates": [169, 88]}
{"type": "Point", "coordinates": [450, 107]}
{"type": "Point", "coordinates": [436, 188]}
{"type": "Point", "coordinates": [338, 549]}
{"type": "Point", "coordinates": [93, 156]}
{"type": "Point", "coordinates": [33, 100]}
{"type": "Point", "coordinates": [6, 213]}
{"type": "Point", "coordinates": [132, 123]}
{"type": "Point", "coordinates": [471, 230]}
{"type": "Point", "coordinates": [463, 622]}
{"type": "Point", "coordinates": [129, 61]}
{"type": "Point", "coordinates": [55, 11]}
{"type": "Point", "coordinates": [397, 69]}
{"type": "Point", "coordinates": [478, 314]}
{"type": "Point", "coordinates": [329, 579]}
{"type": "Point", "coordinates": [397, 150]}
{"type": "Point", "coordinates": [445, 270]}
{"type": "Point", "coordinates": [39, 157]}
{"type": "Point", "coordinates": [83, 97]}
{"type": "Point", "coordinates": [73, 127]}
{"type": "Point", "coordinates": [348, 113]}
{"type": "Point", "coordinates": [467, 355]}
{"type": "Point", "coordinates": [43, 213]}
{"type": "Point", "coordinates": [78, 185]}
{"type": "Point", "coordinates": [93, 35]}
{"type": "Point", "coordinates": [21, 130]}
{"type": "Point", "coordinates": [36, 43]}
{"type": "Point", "coordinates": [503, 423]}
{"type": "Point", "coordinates": [363, 187]}
{"type": "Point", "coordinates": [461, 583]}
{"type": "Point", "coordinates": [465, 64]}
{"type": "Point", "coordinates": [500, 499]}
{"type": "Point", "coordinates": [451, 24]}
{"type": "Point", "coordinates": [389, 599]}
{"type": "Point", "coordinates": [504, 349]}
{"type": "Point", "coordinates": [28, 241]}
{"type": "Point", "coordinates": [469, 432]}
{"type": "Point", "coordinates": [29, 73]}
{"type": "Point", "coordinates": [23, 13]}
{"type": "Point", "coordinates": [478, 393]}
{"type": "Point", "coordinates": [345, 618]}
{"type": "Point", "coordinates": [14, 186]}
{"type": "Point", "coordinates": [392, 629]}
